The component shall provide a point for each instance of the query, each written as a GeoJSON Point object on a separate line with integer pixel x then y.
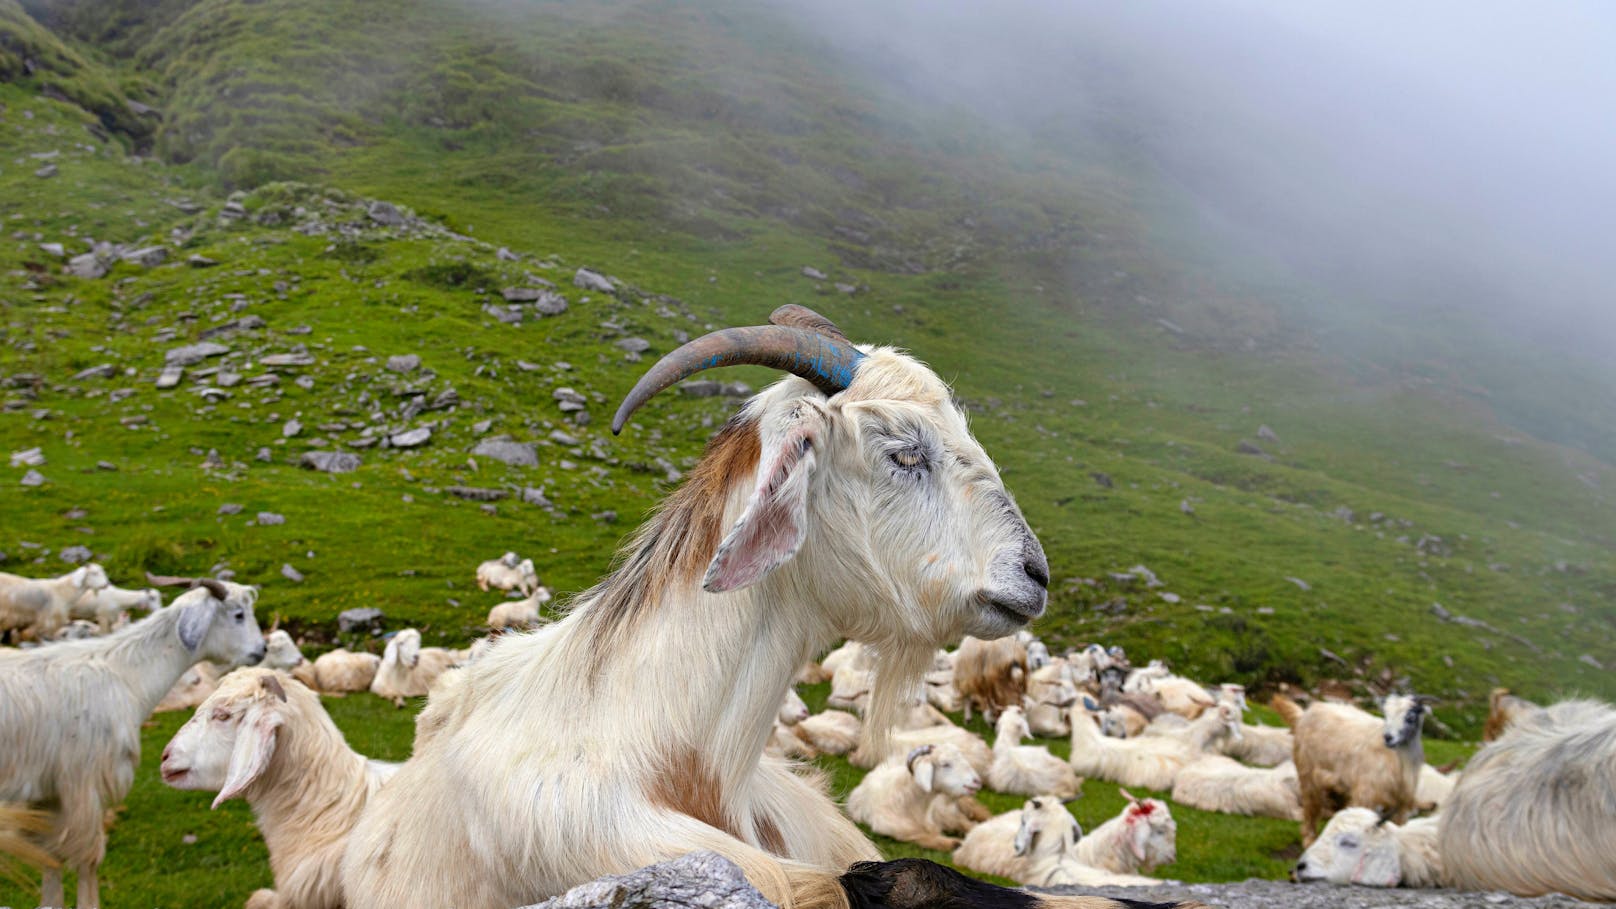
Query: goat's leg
{"type": "Point", "coordinates": [89, 885]}
{"type": "Point", "coordinates": [51, 895]}
{"type": "Point", "coordinates": [265, 899]}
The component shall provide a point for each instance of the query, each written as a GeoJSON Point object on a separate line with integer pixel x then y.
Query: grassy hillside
{"type": "Point", "coordinates": [703, 157]}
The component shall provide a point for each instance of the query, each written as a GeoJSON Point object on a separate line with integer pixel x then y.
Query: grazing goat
{"type": "Point", "coordinates": [850, 504]}
{"type": "Point", "coordinates": [1141, 838]}
{"type": "Point", "coordinates": [1027, 769]}
{"type": "Point", "coordinates": [72, 714]}
{"type": "Point", "coordinates": [1532, 813]}
{"type": "Point", "coordinates": [34, 609]}
{"type": "Point", "coordinates": [265, 738]}
{"type": "Point", "coordinates": [1359, 846]}
{"type": "Point", "coordinates": [921, 799]}
{"type": "Point", "coordinates": [106, 605]}
{"type": "Point", "coordinates": [407, 669]}
{"type": "Point", "coordinates": [508, 573]}
{"type": "Point", "coordinates": [1346, 757]}
{"type": "Point", "coordinates": [990, 675]}
{"type": "Point", "coordinates": [1216, 783]}
{"type": "Point", "coordinates": [344, 671]}
{"type": "Point", "coordinates": [1503, 709]}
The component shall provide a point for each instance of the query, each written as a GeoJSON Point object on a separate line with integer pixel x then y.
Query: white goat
{"type": "Point", "coordinates": [190, 689]}
{"type": "Point", "coordinates": [1359, 846]}
{"type": "Point", "coordinates": [1532, 812]}
{"type": "Point", "coordinates": [343, 671]}
{"type": "Point", "coordinates": [1216, 783]}
{"type": "Point", "coordinates": [858, 509]}
{"type": "Point", "coordinates": [1261, 746]}
{"type": "Point", "coordinates": [1027, 769]}
{"type": "Point", "coordinates": [1049, 837]}
{"type": "Point", "coordinates": [830, 731]}
{"type": "Point", "coordinates": [105, 605]}
{"type": "Point", "coordinates": [1050, 696]}
{"type": "Point", "coordinates": [264, 737]}
{"type": "Point", "coordinates": [921, 799]}
{"type": "Point", "coordinates": [1147, 761]}
{"type": "Point", "coordinates": [281, 653]}
{"type": "Point", "coordinates": [970, 744]}
{"type": "Point", "coordinates": [508, 573]}
{"type": "Point", "coordinates": [1346, 757]}
{"type": "Point", "coordinates": [72, 714]}
{"type": "Point", "coordinates": [1141, 838]}
{"type": "Point", "coordinates": [36, 608]}
{"type": "Point", "coordinates": [516, 614]}
{"type": "Point", "coordinates": [407, 669]}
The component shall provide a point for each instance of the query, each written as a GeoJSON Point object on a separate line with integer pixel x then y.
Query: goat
{"type": "Point", "coordinates": [190, 689]}
{"type": "Point", "coordinates": [1148, 761]}
{"type": "Point", "coordinates": [1141, 838]}
{"type": "Point", "coordinates": [1027, 769]}
{"type": "Point", "coordinates": [36, 608]}
{"type": "Point", "coordinates": [105, 605]}
{"type": "Point", "coordinates": [1346, 757]}
{"type": "Point", "coordinates": [1049, 699]}
{"type": "Point", "coordinates": [72, 713]}
{"type": "Point", "coordinates": [853, 504]}
{"type": "Point", "coordinates": [507, 573]}
{"type": "Point", "coordinates": [990, 675]}
{"type": "Point", "coordinates": [1532, 812]}
{"type": "Point", "coordinates": [1359, 846]}
{"type": "Point", "coordinates": [407, 669]}
{"type": "Point", "coordinates": [264, 737]}
{"type": "Point", "coordinates": [281, 653]}
{"type": "Point", "coordinates": [1216, 783]}
{"type": "Point", "coordinates": [921, 799]}
{"type": "Point", "coordinates": [343, 671]}
{"type": "Point", "coordinates": [1504, 709]}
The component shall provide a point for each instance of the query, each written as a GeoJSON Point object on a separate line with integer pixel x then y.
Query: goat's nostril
{"type": "Point", "coordinates": [1038, 571]}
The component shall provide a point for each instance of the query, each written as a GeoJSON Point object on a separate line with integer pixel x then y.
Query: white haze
{"type": "Point", "coordinates": [1441, 154]}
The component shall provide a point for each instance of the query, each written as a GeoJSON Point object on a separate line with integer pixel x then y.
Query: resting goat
{"type": "Point", "coordinates": [920, 799]}
{"type": "Point", "coordinates": [35, 609]}
{"type": "Point", "coordinates": [1361, 847]}
{"type": "Point", "coordinates": [850, 503]}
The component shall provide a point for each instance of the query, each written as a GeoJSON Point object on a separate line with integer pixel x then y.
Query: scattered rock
{"type": "Point", "coordinates": [73, 555]}
{"type": "Point", "coordinates": [291, 359]}
{"type": "Point", "coordinates": [1438, 610]}
{"type": "Point", "coordinates": [516, 454]}
{"type": "Point", "coordinates": [536, 497]}
{"type": "Point", "coordinates": [1267, 435]}
{"type": "Point", "coordinates": [104, 371]}
{"type": "Point", "coordinates": [701, 388]}
{"type": "Point", "coordinates": [482, 426]}
{"type": "Point", "coordinates": [28, 457]}
{"type": "Point", "coordinates": [264, 455]}
{"type": "Point", "coordinates": [522, 294]}
{"type": "Point", "coordinates": [1250, 448]}
{"type": "Point", "coordinates": [550, 303]}
{"type": "Point", "coordinates": [292, 428]}
{"type": "Point", "coordinates": [329, 461]}
{"type": "Point", "coordinates": [88, 265]}
{"type": "Point", "coordinates": [53, 249]}
{"type": "Point", "coordinates": [411, 438]}
{"type": "Point", "coordinates": [505, 255]}
{"type": "Point", "coordinates": [386, 214]}
{"type": "Point", "coordinates": [230, 508]}
{"type": "Point", "coordinates": [1261, 894]}
{"type": "Point", "coordinates": [808, 271]}
{"type": "Point", "coordinates": [245, 323]}
{"type": "Point", "coordinates": [1591, 661]}
{"type": "Point", "coordinates": [698, 879]}
{"type": "Point", "coordinates": [46, 172]}
{"type": "Point", "coordinates": [1185, 506]}
{"type": "Point", "coordinates": [33, 478]}
{"type": "Point", "coordinates": [198, 260]}
{"type": "Point", "coordinates": [147, 257]}
{"type": "Point", "coordinates": [192, 354]}
{"type": "Point", "coordinates": [1300, 583]}
{"type": "Point", "coordinates": [105, 465]}
{"type": "Point", "coordinates": [477, 493]}
{"type": "Point", "coordinates": [633, 345]}
{"type": "Point", "coordinates": [404, 362]}
{"type": "Point", "coordinates": [291, 574]}
{"type": "Point", "coordinates": [170, 376]}
{"type": "Point", "coordinates": [1103, 479]}
{"type": "Point", "coordinates": [846, 288]}
{"type": "Point", "coordinates": [589, 280]}
{"type": "Point", "coordinates": [561, 438]}
{"type": "Point", "coordinates": [270, 519]}
{"type": "Point", "coordinates": [606, 517]}
{"type": "Point", "coordinates": [361, 618]}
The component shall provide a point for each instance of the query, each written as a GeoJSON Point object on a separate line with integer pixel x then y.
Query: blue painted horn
{"type": "Point", "coordinates": [798, 340]}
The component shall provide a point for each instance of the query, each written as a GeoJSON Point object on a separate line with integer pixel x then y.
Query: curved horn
{"type": "Point", "coordinates": [794, 316]}
{"type": "Point", "coordinates": [214, 588]}
{"type": "Point", "coordinates": [827, 362]}
{"type": "Point", "coordinates": [169, 580]}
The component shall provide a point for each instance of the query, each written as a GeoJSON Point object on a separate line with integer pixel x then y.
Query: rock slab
{"type": "Point", "coordinates": [699, 880]}
{"type": "Point", "coordinates": [1255, 894]}
{"type": "Point", "coordinates": [516, 454]}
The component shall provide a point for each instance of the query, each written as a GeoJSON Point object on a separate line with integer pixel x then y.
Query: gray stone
{"type": "Point", "coordinates": [46, 172]}
{"type": "Point", "coordinates": [291, 574]}
{"type": "Point", "coordinates": [1300, 583]}
{"type": "Point", "coordinates": [536, 497]}
{"type": "Point", "coordinates": [846, 288]}
{"type": "Point", "coordinates": [361, 618]}
{"type": "Point", "coordinates": [589, 280]}
{"type": "Point", "coordinates": [264, 455]}
{"type": "Point", "coordinates": [808, 271]}
{"type": "Point", "coordinates": [737, 390]}
{"type": "Point", "coordinates": [505, 255]}
{"type": "Point", "coordinates": [697, 880]}
{"type": "Point", "coordinates": [290, 359]}
{"type": "Point", "coordinates": [230, 508]}
{"type": "Point", "coordinates": [170, 376]}
{"type": "Point", "coordinates": [292, 428]}
{"type": "Point", "coordinates": [1261, 894]}
{"type": "Point", "coordinates": [516, 454]}
{"type": "Point", "coordinates": [482, 426]}
{"type": "Point", "coordinates": [550, 303]}
{"type": "Point", "coordinates": [509, 315]}
{"type": "Point", "coordinates": [404, 362]}
{"type": "Point", "coordinates": [53, 249]}
{"type": "Point", "coordinates": [73, 555]}
{"type": "Point", "coordinates": [633, 345]}
{"type": "Point", "coordinates": [197, 260]}
{"type": "Point", "coordinates": [1266, 434]}
{"type": "Point", "coordinates": [270, 519]}
{"type": "Point", "coordinates": [521, 294]}
{"type": "Point", "coordinates": [411, 438]}
{"type": "Point", "coordinates": [105, 465]}
{"type": "Point", "coordinates": [477, 493]}
{"type": "Point", "coordinates": [87, 265]}
{"type": "Point", "coordinates": [245, 323]}
{"type": "Point", "coordinates": [28, 457]}
{"type": "Point", "coordinates": [568, 396]}
{"type": "Point", "coordinates": [147, 257]}
{"type": "Point", "coordinates": [386, 214]}
{"type": "Point", "coordinates": [192, 354]}
{"type": "Point", "coordinates": [561, 438]}
{"type": "Point", "coordinates": [104, 371]}
{"type": "Point", "coordinates": [329, 461]}
{"type": "Point", "coordinates": [33, 478]}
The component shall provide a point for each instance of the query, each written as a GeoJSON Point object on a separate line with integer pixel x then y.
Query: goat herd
{"type": "Point", "coordinates": [658, 716]}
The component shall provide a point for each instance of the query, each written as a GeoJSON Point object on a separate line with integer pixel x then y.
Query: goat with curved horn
{"type": "Point", "coordinates": [800, 341]}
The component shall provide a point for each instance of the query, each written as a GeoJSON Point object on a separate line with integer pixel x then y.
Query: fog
{"type": "Point", "coordinates": [1437, 154]}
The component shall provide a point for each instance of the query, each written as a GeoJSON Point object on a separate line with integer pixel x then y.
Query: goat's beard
{"type": "Point", "coordinates": [900, 672]}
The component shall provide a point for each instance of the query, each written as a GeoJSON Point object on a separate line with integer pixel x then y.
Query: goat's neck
{"type": "Point", "coordinates": [314, 782]}
{"type": "Point", "coordinates": [1006, 739]}
{"type": "Point", "coordinates": [152, 650]}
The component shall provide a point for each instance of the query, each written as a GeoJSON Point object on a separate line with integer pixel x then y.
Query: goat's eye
{"type": "Point", "coordinates": [221, 716]}
{"type": "Point", "coordinates": [908, 459]}
{"type": "Point", "coordinates": [238, 615]}
{"type": "Point", "coordinates": [1349, 842]}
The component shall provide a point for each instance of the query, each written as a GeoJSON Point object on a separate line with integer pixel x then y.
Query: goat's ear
{"type": "Point", "coordinates": [195, 620]}
{"type": "Point", "coordinates": [924, 769]}
{"type": "Point", "coordinates": [255, 746]}
{"type": "Point", "coordinates": [1026, 835]}
{"type": "Point", "coordinates": [776, 519]}
{"type": "Point", "coordinates": [1138, 825]}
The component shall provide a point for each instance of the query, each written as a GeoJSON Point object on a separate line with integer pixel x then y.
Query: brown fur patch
{"type": "Point", "coordinates": [684, 783]}
{"type": "Point", "coordinates": [676, 544]}
{"type": "Point", "coordinates": [768, 834]}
